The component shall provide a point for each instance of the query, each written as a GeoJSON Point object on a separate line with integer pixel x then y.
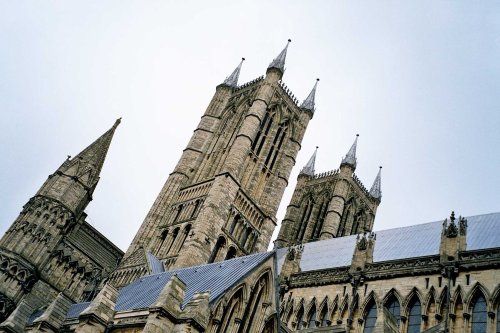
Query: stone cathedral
{"type": "Point", "coordinates": [199, 262]}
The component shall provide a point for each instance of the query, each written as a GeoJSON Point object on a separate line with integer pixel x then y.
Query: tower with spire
{"type": "Point", "coordinates": [222, 197]}
{"type": "Point", "coordinates": [50, 248]}
{"type": "Point", "coordinates": [331, 204]}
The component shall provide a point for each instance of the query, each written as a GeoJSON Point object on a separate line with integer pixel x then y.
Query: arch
{"type": "Point", "coordinates": [299, 318]}
{"type": "Point", "coordinates": [366, 303]}
{"type": "Point", "coordinates": [288, 313]}
{"type": "Point", "coordinates": [175, 233]}
{"type": "Point", "coordinates": [479, 313]}
{"type": "Point", "coordinates": [219, 245]}
{"type": "Point", "coordinates": [477, 288]}
{"type": "Point", "coordinates": [456, 298]}
{"type": "Point", "coordinates": [235, 221]}
{"type": "Point", "coordinates": [307, 203]}
{"type": "Point", "coordinates": [457, 312]}
{"type": "Point", "coordinates": [231, 253]}
{"type": "Point", "coordinates": [323, 312]}
{"type": "Point", "coordinates": [414, 292]}
{"type": "Point", "coordinates": [393, 304]}
{"type": "Point", "coordinates": [414, 314]}
{"type": "Point", "coordinates": [321, 215]}
{"type": "Point", "coordinates": [255, 310]}
{"type": "Point", "coordinates": [244, 236]}
{"type": "Point", "coordinates": [430, 309]}
{"type": "Point", "coordinates": [312, 314]}
{"type": "Point", "coordinates": [343, 309]}
{"type": "Point", "coordinates": [370, 317]}
{"type": "Point", "coordinates": [233, 311]}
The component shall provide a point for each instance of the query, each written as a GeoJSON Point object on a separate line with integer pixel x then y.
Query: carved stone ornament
{"type": "Point", "coordinates": [462, 226]}
{"type": "Point", "coordinates": [362, 243]}
{"type": "Point", "coordinates": [291, 254]}
{"type": "Point", "coordinates": [6, 307]}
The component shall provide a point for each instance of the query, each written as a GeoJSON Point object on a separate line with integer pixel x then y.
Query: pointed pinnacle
{"type": "Point", "coordinates": [279, 61]}
{"type": "Point", "coordinates": [350, 158]}
{"type": "Point", "coordinates": [308, 169]}
{"type": "Point", "coordinates": [92, 158]}
{"type": "Point", "coordinates": [376, 191]}
{"type": "Point", "coordinates": [232, 80]}
{"type": "Point", "coordinates": [308, 103]}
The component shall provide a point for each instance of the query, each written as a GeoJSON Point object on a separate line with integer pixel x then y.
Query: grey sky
{"type": "Point", "coordinates": [418, 80]}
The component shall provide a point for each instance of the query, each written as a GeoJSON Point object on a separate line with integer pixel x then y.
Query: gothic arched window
{"type": "Point", "coordinates": [371, 318]}
{"type": "Point", "coordinates": [312, 317]}
{"type": "Point", "coordinates": [300, 319]}
{"type": "Point", "coordinates": [221, 242]}
{"type": "Point", "coordinates": [479, 314]}
{"type": "Point", "coordinates": [323, 316]}
{"type": "Point", "coordinates": [415, 316]}
{"type": "Point", "coordinates": [261, 136]}
{"type": "Point", "coordinates": [231, 253]}
{"type": "Point", "coordinates": [392, 305]}
{"type": "Point", "coordinates": [306, 214]}
{"type": "Point", "coordinates": [276, 145]}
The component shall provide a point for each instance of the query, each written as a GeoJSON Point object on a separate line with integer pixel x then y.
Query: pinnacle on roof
{"type": "Point", "coordinates": [350, 158]}
{"type": "Point", "coordinates": [88, 163]}
{"type": "Point", "coordinates": [232, 80]}
{"type": "Point", "coordinates": [376, 191]}
{"type": "Point", "coordinates": [279, 61]}
{"type": "Point", "coordinates": [308, 103]}
{"type": "Point", "coordinates": [308, 169]}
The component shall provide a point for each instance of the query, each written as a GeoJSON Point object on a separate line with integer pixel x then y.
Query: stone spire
{"type": "Point", "coordinates": [376, 191]}
{"type": "Point", "coordinates": [232, 80]}
{"type": "Point", "coordinates": [87, 165]}
{"type": "Point", "coordinates": [279, 61]}
{"type": "Point", "coordinates": [308, 169]}
{"type": "Point", "coordinates": [350, 158]}
{"type": "Point", "coordinates": [308, 103]}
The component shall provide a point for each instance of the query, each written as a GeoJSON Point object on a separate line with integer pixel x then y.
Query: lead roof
{"type": "Point", "coordinates": [414, 241]}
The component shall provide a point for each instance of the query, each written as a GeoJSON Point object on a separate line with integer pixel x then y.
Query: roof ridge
{"type": "Point", "coordinates": [206, 265]}
{"type": "Point", "coordinates": [439, 221]}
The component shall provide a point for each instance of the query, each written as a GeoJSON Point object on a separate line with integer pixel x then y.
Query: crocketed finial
{"type": "Point", "coordinates": [308, 103]}
{"type": "Point", "coordinates": [350, 158]}
{"type": "Point", "coordinates": [279, 61]}
{"type": "Point", "coordinates": [232, 80]}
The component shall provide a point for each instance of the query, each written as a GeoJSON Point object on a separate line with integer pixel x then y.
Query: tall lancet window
{"type": "Point", "coordinates": [371, 318]}
{"type": "Point", "coordinates": [306, 215]}
{"type": "Point", "coordinates": [479, 314]}
{"type": "Point", "coordinates": [276, 145]}
{"type": "Point", "coordinates": [300, 319]}
{"type": "Point", "coordinates": [415, 316]}
{"type": "Point", "coordinates": [312, 317]}
{"type": "Point", "coordinates": [260, 138]}
{"type": "Point", "coordinates": [392, 305]}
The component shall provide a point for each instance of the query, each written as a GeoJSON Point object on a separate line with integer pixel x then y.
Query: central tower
{"type": "Point", "coordinates": [222, 197]}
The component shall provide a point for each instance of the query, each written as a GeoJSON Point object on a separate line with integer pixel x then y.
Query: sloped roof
{"type": "Point", "coordinates": [216, 277]}
{"type": "Point", "coordinates": [75, 310]}
{"type": "Point", "coordinates": [155, 265]}
{"type": "Point", "coordinates": [420, 240]}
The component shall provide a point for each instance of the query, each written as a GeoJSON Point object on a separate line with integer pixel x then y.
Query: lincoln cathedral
{"type": "Point", "coordinates": [199, 261]}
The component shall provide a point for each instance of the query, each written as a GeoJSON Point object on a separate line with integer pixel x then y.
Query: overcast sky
{"type": "Point", "coordinates": [418, 80]}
